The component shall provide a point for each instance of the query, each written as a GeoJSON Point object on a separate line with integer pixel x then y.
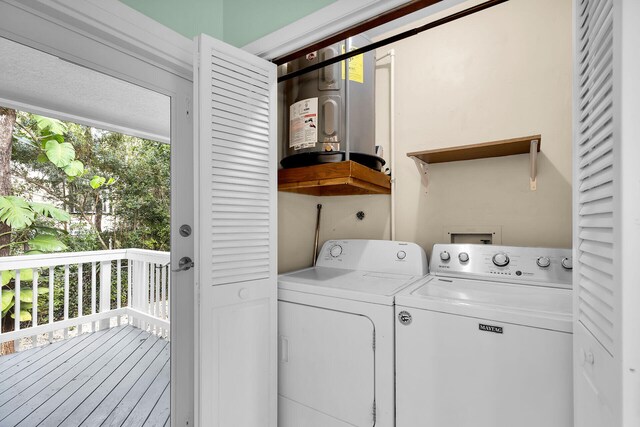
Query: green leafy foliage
{"type": "Point", "coordinates": [51, 231]}
{"type": "Point", "coordinates": [46, 243]}
{"type": "Point", "coordinates": [6, 277]}
{"type": "Point", "coordinates": [25, 315]}
{"type": "Point", "coordinates": [74, 168]}
{"type": "Point", "coordinates": [103, 188]}
{"type": "Point", "coordinates": [26, 295]}
{"type": "Point", "coordinates": [97, 182]}
{"type": "Point", "coordinates": [7, 300]}
{"type": "Point", "coordinates": [60, 154]}
{"type": "Point", "coordinates": [50, 211]}
{"type": "Point", "coordinates": [16, 212]}
{"type": "Point", "coordinates": [54, 126]}
{"type": "Point", "coordinates": [26, 275]}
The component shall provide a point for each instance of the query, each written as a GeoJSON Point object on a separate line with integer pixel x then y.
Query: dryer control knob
{"type": "Point", "coordinates": [405, 317]}
{"type": "Point", "coordinates": [501, 259]}
{"type": "Point", "coordinates": [335, 251]}
{"type": "Point", "coordinates": [463, 257]}
{"type": "Point", "coordinates": [543, 261]}
{"type": "Point", "coordinates": [401, 254]}
{"type": "Point", "coordinates": [444, 256]}
{"type": "Point", "coordinates": [567, 263]}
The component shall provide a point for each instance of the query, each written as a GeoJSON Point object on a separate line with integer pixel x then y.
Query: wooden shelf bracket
{"type": "Point", "coordinates": [423, 168]}
{"type": "Point", "coordinates": [533, 164]}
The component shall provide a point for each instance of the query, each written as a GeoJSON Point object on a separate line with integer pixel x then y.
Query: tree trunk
{"type": "Point", "coordinates": [98, 216]}
{"type": "Point", "coordinates": [7, 121]}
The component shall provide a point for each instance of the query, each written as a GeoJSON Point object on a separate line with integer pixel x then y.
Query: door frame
{"type": "Point", "coordinates": [109, 37]}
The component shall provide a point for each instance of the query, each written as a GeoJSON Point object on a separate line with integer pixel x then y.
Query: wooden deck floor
{"type": "Point", "coordinates": [115, 377]}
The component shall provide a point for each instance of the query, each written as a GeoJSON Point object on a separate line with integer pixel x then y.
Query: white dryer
{"type": "Point", "coordinates": [486, 340]}
{"type": "Point", "coordinates": [336, 334]}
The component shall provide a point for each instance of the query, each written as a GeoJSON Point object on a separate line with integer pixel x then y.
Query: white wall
{"type": "Point", "coordinates": [502, 73]}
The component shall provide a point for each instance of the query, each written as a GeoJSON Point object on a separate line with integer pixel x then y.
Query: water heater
{"type": "Point", "coordinates": [316, 113]}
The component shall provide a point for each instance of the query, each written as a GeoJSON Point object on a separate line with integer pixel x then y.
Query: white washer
{"type": "Point", "coordinates": [486, 340]}
{"type": "Point", "coordinates": [336, 334]}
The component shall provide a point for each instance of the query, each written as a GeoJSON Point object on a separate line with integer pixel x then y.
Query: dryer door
{"type": "Point", "coordinates": [326, 370]}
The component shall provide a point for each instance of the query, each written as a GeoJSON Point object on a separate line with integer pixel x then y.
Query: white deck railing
{"type": "Point", "coordinates": [140, 276]}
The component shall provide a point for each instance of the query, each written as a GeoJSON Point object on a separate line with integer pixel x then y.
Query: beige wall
{"type": "Point", "coordinates": [502, 73]}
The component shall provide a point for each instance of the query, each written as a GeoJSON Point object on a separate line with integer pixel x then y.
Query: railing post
{"type": "Point", "coordinates": [105, 291]}
{"type": "Point", "coordinates": [139, 289]}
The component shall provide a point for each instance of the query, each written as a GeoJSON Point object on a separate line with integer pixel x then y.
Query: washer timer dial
{"type": "Point", "coordinates": [543, 261]}
{"type": "Point", "coordinates": [500, 259]}
{"type": "Point", "coordinates": [335, 251]}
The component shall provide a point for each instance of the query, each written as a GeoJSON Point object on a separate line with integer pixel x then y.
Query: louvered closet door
{"type": "Point", "coordinates": [236, 229]}
{"type": "Point", "coordinates": [597, 173]}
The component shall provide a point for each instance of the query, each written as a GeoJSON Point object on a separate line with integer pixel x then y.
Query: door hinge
{"type": "Point", "coordinates": [374, 411]}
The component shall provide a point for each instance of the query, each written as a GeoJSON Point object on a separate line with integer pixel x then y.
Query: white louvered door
{"type": "Point", "coordinates": [236, 153]}
{"type": "Point", "coordinates": [606, 214]}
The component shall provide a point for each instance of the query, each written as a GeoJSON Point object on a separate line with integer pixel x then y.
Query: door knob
{"type": "Point", "coordinates": [184, 264]}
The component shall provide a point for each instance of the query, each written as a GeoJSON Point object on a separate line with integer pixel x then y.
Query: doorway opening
{"type": "Point", "coordinates": [84, 255]}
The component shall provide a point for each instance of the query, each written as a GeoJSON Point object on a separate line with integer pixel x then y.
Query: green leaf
{"type": "Point", "coordinates": [16, 212]}
{"type": "Point", "coordinates": [42, 158]}
{"type": "Point", "coordinates": [34, 252]}
{"type": "Point", "coordinates": [110, 181]}
{"type": "Point", "coordinates": [26, 296]}
{"type": "Point", "coordinates": [56, 136]}
{"type": "Point", "coordinates": [60, 154]}
{"type": "Point", "coordinates": [24, 315]}
{"type": "Point", "coordinates": [7, 275]}
{"type": "Point", "coordinates": [54, 125]}
{"type": "Point", "coordinates": [4, 312]}
{"type": "Point", "coordinates": [46, 243]}
{"type": "Point", "coordinates": [7, 300]}
{"type": "Point", "coordinates": [50, 230]}
{"type": "Point", "coordinates": [75, 168]}
{"type": "Point", "coordinates": [26, 275]}
{"type": "Point", "coordinates": [97, 182]}
{"type": "Point", "coordinates": [50, 211]}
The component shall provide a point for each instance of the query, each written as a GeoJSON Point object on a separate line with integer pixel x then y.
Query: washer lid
{"type": "Point", "coordinates": [549, 308]}
{"type": "Point", "coordinates": [357, 285]}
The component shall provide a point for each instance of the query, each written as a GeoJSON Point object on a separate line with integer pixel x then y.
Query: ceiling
{"type": "Point", "coordinates": [37, 82]}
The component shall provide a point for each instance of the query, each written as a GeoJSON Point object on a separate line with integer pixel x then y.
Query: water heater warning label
{"type": "Point", "coordinates": [303, 124]}
{"type": "Point", "coordinates": [356, 67]}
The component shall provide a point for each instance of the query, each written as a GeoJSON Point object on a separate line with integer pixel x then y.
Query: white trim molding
{"type": "Point", "coordinates": [121, 27]}
{"type": "Point", "coordinates": [334, 18]}
{"type": "Point", "coordinates": [327, 21]}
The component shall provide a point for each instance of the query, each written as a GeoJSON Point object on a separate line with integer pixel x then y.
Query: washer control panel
{"type": "Point", "coordinates": [374, 255]}
{"type": "Point", "coordinates": [544, 266]}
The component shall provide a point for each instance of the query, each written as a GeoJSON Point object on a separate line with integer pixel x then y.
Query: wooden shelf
{"type": "Point", "coordinates": [334, 179]}
{"type": "Point", "coordinates": [505, 147]}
